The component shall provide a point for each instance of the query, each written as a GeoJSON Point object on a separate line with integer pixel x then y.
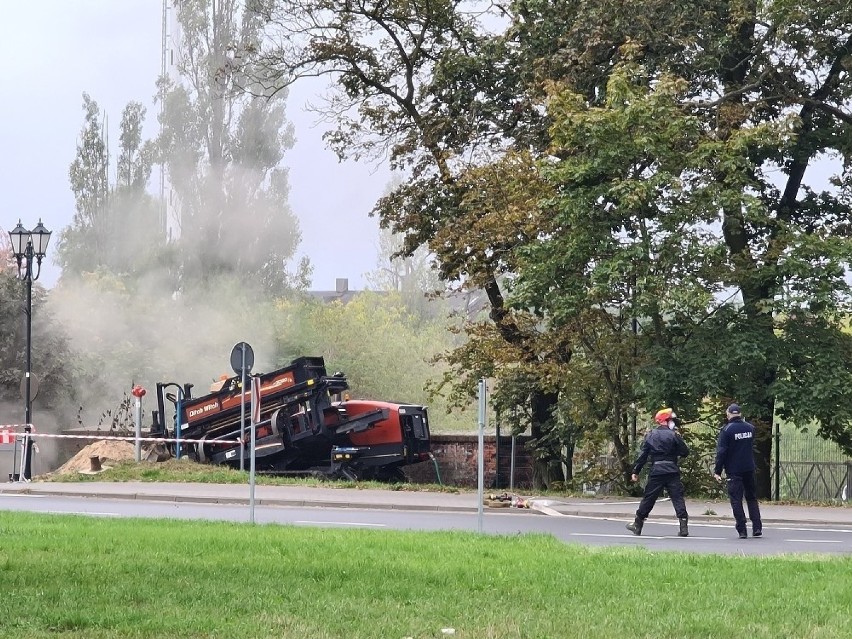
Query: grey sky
{"type": "Point", "coordinates": [57, 49]}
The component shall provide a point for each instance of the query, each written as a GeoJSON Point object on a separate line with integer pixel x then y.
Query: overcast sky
{"type": "Point", "coordinates": [54, 50]}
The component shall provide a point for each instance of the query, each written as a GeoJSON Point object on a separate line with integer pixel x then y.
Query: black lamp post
{"type": "Point", "coordinates": [26, 246]}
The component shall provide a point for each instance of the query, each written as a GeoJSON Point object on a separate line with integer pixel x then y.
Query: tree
{"type": "Point", "coordinates": [223, 147]}
{"type": "Point", "coordinates": [81, 245]}
{"type": "Point", "coordinates": [412, 276]}
{"type": "Point", "coordinates": [52, 361]}
{"type": "Point", "coordinates": [608, 260]}
{"type": "Point", "coordinates": [768, 247]}
{"type": "Point", "coordinates": [426, 86]}
{"type": "Point", "coordinates": [116, 226]}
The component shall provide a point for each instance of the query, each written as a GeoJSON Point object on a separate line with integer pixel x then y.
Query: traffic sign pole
{"type": "Point", "coordinates": [255, 417]}
{"type": "Point", "coordinates": [242, 361]}
{"type": "Point", "coordinates": [243, 407]}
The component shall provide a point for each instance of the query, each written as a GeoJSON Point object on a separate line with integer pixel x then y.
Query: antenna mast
{"type": "Point", "coordinates": [164, 47]}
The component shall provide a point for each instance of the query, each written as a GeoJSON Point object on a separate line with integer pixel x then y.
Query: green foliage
{"type": "Point", "coordinates": [628, 184]}
{"type": "Point", "coordinates": [53, 364]}
{"type": "Point", "coordinates": [385, 352]}
{"type": "Point", "coordinates": [816, 378]}
{"type": "Point", "coordinates": [697, 467]}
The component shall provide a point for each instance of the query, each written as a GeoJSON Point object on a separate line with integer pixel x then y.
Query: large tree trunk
{"type": "Point", "coordinates": [763, 456]}
{"type": "Point", "coordinates": [542, 407]}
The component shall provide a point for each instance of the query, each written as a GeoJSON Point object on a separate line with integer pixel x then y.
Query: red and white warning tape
{"type": "Point", "coordinates": [128, 439]}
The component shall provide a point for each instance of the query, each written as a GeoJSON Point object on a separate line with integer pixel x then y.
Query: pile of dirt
{"type": "Point", "coordinates": [106, 450]}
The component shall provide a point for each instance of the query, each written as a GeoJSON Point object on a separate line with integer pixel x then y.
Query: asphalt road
{"type": "Point", "coordinates": [659, 535]}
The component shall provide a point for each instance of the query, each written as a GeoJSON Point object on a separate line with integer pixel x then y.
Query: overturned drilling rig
{"type": "Point", "coordinates": [307, 425]}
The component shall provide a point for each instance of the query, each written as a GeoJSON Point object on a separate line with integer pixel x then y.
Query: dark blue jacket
{"type": "Point", "coordinates": [662, 447]}
{"type": "Point", "coordinates": [735, 448]}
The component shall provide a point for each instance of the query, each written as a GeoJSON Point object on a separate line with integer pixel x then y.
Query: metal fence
{"type": "Point", "coordinates": [809, 468]}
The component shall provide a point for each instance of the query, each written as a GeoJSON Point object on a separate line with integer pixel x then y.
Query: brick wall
{"type": "Point", "coordinates": [457, 460]}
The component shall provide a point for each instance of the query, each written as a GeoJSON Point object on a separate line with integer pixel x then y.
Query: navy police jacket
{"type": "Point", "coordinates": [734, 448]}
{"type": "Point", "coordinates": [662, 447]}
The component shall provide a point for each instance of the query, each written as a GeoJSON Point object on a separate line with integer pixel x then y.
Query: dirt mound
{"type": "Point", "coordinates": [105, 450]}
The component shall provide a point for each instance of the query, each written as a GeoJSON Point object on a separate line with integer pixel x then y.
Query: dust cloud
{"type": "Point", "coordinates": [154, 335]}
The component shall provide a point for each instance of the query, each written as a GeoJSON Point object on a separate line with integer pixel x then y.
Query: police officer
{"type": "Point", "coordinates": [663, 447]}
{"type": "Point", "coordinates": [735, 453]}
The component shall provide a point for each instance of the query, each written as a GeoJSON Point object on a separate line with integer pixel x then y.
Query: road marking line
{"type": "Point", "coordinates": [547, 510]}
{"type": "Point", "coordinates": [639, 537]}
{"type": "Point", "coordinates": [76, 512]}
{"type": "Point", "coordinates": [339, 523]}
{"type": "Point", "coordinates": [611, 535]}
{"type": "Point", "coordinates": [816, 541]}
{"type": "Point", "coordinates": [804, 527]}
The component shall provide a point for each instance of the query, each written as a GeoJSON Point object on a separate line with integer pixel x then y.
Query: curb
{"type": "Point", "coordinates": [243, 501]}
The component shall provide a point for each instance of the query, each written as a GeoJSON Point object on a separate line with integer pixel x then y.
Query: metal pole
{"type": "Point", "coordinates": [254, 398]}
{"type": "Point", "coordinates": [243, 408]}
{"type": "Point", "coordinates": [138, 419]}
{"type": "Point", "coordinates": [512, 468]}
{"type": "Point", "coordinates": [497, 454]}
{"type": "Point", "coordinates": [28, 444]}
{"type": "Point", "coordinates": [481, 453]}
{"type": "Point", "coordinates": [777, 462]}
{"type": "Point", "coordinates": [14, 476]}
{"type": "Point", "coordinates": [177, 422]}
{"type": "Point", "coordinates": [29, 279]}
{"type": "Point", "coordinates": [21, 470]}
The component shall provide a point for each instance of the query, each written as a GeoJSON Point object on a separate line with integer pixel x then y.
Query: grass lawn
{"type": "Point", "coordinates": [94, 578]}
{"type": "Point", "coordinates": [186, 471]}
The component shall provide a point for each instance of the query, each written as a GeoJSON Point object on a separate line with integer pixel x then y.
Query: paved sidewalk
{"type": "Point", "coordinates": [719, 511]}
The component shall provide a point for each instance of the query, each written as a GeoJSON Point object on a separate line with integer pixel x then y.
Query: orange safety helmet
{"type": "Point", "coordinates": [663, 416]}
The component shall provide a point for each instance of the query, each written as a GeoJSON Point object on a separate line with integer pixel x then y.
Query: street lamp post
{"type": "Point", "coordinates": [26, 246]}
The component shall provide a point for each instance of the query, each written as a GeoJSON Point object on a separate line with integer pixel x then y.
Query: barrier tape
{"type": "Point", "coordinates": [130, 439]}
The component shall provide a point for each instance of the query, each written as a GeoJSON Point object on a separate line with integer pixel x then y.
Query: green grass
{"type": "Point", "coordinates": [90, 578]}
{"type": "Point", "coordinates": [186, 471]}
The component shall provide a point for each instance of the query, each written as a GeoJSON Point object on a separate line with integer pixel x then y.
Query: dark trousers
{"type": "Point", "coordinates": [739, 486]}
{"type": "Point", "coordinates": [673, 485]}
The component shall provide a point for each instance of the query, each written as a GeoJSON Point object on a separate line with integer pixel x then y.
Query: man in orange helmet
{"type": "Point", "coordinates": [663, 447]}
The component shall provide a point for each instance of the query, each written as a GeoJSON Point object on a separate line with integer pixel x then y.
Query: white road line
{"type": "Point", "coordinates": [339, 523]}
{"type": "Point", "coordinates": [702, 524]}
{"type": "Point", "coordinates": [640, 537]}
{"type": "Point", "coordinates": [617, 536]}
{"type": "Point", "coordinates": [815, 528]}
{"type": "Point", "coordinates": [76, 512]}
{"type": "Point", "coordinates": [815, 541]}
{"type": "Point", "coordinates": [21, 495]}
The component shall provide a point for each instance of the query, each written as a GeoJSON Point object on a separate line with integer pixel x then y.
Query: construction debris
{"type": "Point", "coordinates": [505, 500]}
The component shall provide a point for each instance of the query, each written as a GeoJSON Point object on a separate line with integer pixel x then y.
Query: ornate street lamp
{"type": "Point", "coordinates": [26, 246]}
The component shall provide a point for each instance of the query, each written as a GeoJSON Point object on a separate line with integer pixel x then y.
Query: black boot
{"type": "Point", "coordinates": [636, 526]}
{"type": "Point", "coordinates": [684, 531]}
